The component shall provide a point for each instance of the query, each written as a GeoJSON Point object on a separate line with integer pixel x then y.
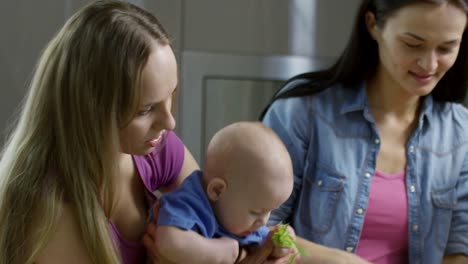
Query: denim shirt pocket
{"type": "Point", "coordinates": [444, 200]}
{"type": "Point", "coordinates": [321, 195]}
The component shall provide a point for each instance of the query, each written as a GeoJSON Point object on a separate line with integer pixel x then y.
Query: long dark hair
{"type": "Point", "coordinates": [360, 59]}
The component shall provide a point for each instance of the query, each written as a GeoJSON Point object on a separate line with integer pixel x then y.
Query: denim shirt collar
{"type": "Point", "coordinates": [426, 113]}
{"type": "Point", "coordinates": [357, 101]}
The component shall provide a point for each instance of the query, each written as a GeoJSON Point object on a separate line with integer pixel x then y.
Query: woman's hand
{"type": "Point", "coordinates": [149, 238]}
{"type": "Point", "coordinates": [282, 251]}
{"type": "Point", "coordinates": [266, 254]}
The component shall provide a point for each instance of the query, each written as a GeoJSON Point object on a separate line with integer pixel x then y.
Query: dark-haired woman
{"type": "Point", "coordinates": [379, 141]}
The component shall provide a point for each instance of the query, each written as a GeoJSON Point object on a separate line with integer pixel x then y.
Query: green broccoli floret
{"type": "Point", "coordinates": [282, 238]}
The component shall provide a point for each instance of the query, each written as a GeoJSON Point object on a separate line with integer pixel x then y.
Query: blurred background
{"type": "Point", "coordinates": [233, 55]}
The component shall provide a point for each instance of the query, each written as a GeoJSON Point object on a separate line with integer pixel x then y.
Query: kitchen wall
{"type": "Point", "coordinates": [241, 36]}
{"type": "Point", "coordinates": [27, 26]}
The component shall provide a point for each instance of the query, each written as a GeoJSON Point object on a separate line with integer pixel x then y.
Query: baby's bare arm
{"type": "Point", "coordinates": [185, 246]}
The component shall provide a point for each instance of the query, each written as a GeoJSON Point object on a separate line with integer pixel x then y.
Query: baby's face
{"type": "Point", "coordinates": [246, 206]}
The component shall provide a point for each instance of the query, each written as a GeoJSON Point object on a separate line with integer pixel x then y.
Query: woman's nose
{"type": "Point", "coordinates": [428, 62]}
{"type": "Point", "coordinates": [164, 120]}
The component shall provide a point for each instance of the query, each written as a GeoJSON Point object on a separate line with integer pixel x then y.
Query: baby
{"type": "Point", "coordinates": [247, 173]}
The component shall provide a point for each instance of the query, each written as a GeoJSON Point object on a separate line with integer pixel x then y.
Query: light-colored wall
{"type": "Point", "coordinates": [25, 28]}
{"type": "Point", "coordinates": [241, 26]}
{"type": "Point", "coordinates": [169, 12]}
{"type": "Point", "coordinates": [263, 27]}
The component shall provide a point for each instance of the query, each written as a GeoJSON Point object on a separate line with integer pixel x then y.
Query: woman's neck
{"type": "Point", "coordinates": [388, 98]}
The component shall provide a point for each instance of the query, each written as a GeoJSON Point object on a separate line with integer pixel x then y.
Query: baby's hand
{"type": "Point", "coordinates": [279, 252]}
{"type": "Point", "coordinates": [284, 239]}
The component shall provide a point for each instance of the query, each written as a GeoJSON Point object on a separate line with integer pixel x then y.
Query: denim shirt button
{"type": "Point", "coordinates": [412, 189]}
{"type": "Point", "coordinates": [360, 211]}
{"type": "Point", "coordinates": [377, 141]}
{"type": "Point", "coordinates": [415, 228]}
{"type": "Point", "coordinates": [367, 175]}
{"type": "Point", "coordinates": [411, 149]}
{"type": "Point", "coordinates": [319, 183]}
{"type": "Point", "coordinates": [349, 249]}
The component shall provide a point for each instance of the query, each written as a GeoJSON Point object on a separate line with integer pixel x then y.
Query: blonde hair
{"type": "Point", "coordinates": [65, 146]}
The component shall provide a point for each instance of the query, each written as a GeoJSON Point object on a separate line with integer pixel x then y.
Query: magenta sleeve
{"type": "Point", "coordinates": [162, 166]}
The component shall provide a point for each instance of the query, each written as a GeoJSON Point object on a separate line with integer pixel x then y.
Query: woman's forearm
{"type": "Point", "coordinates": [319, 254]}
{"type": "Point", "coordinates": [455, 259]}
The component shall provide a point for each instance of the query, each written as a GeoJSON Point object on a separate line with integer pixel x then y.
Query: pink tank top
{"type": "Point", "coordinates": [157, 169]}
{"type": "Point", "coordinates": [384, 236]}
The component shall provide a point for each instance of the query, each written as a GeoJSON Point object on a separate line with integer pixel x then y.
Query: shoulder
{"type": "Point", "coordinates": [189, 193]}
{"type": "Point", "coordinates": [446, 130]}
{"type": "Point", "coordinates": [456, 111]}
{"type": "Point", "coordinates": [188, 207]}
{"type": "Point", "coordinates": [460, 118]}
{"type": "Point", "coordinates": [66, 241]}
{"type": "Point", "coordinates": [460, 113]}
{"type": "Point", "coordinates": [190, 185]}
{"type": "Point", "coordinates": [328, 96]}
{"type": "Point", "coordinates": [296, 111]}
{"type": "Point", "coordinates": [452, 117]}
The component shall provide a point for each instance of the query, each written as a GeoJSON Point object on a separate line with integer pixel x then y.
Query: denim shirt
{"type": "Point", "coordinates": [333, 142]}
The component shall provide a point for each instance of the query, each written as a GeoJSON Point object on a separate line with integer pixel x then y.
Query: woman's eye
{"type": "Point", "coordinates": [445, 50]}
{"type": "Point", "coordinates": [145, 111]}
{"type": "Point", "coordinates": [412, 45]}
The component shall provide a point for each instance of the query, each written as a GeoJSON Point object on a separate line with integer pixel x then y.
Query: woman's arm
{"type": "Point", "coordinates": [457, 247]}
{"type": "Point", "coordinates": [324, 255]}
{"type": "Point", "coordinates": [66, 245]}
{"type": "Point", "coordinates": [188, 167]}
{"type": "Point", "coordinates": [455, 259]}
{"type": "Point", "coordinates": [316, 254]}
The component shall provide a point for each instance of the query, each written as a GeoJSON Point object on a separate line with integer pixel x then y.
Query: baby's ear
{"type": "Point", "coordinates": [215, 188]}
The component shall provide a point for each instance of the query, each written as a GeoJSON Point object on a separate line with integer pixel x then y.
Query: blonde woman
{"type": "Point", "coordinates": [93, 142]}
